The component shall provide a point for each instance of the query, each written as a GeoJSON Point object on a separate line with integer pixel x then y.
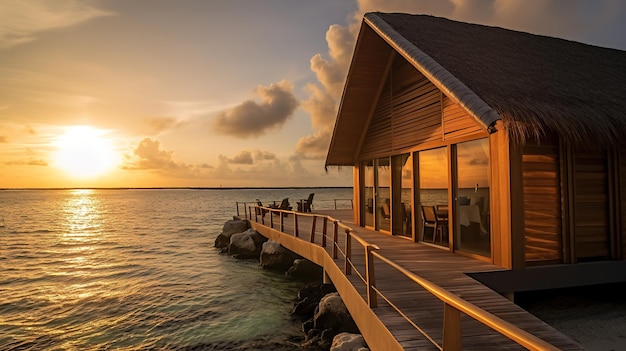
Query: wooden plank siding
{"type": "Point", "coordinates": [456, 122]}
{"type": "Point", "coordinates": [622, 186]}
{"type": "Point", "coordinates": [408, 113]}
{"type": "Point", "coordinates": [591, 208]}
{"type": "Point", "coordinates": [411, 111]}
{"type": "Point", "coordinates": [542, 203]}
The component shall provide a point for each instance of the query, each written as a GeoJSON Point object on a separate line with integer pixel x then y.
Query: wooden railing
{"type": "Point", "coordinates": [454, 305]}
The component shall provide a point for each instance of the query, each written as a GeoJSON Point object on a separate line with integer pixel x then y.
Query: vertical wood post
{"type": "Point", "coordinates": [313, 229]}
{"type": "Point", "coordinates": [237, 204]}
{"type": "Point", "coordinates": [282, 221]}
{"type": "Point", "coordinates": [451, 328]}
{"type": "Point", "coordinates": [335, 238]}
{"type": "Point", "coordinates": [271, 219]}
{"type": "Point", "coordinates": [372, 298]}
{"type": "Point", "coordinates": [324, 231]}
{"type": "Point", "coordinates": [348, 258]}
{"type": "Point", "coordinates": [295, 225]}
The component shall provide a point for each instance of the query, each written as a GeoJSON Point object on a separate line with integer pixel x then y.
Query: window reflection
{"type": "Point", "coordinates": [472, 229]}
{"type": "Point", "coordinates": [368, 183]}
{"type": "Point", "coordinates": [383, 195]}
{"type": "Point", "coordinates": [402, 174]}
{"type": "Point", "coordinates": [433, 174]}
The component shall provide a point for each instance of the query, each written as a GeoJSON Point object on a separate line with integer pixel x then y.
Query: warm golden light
{"type": "Point", "coordinates": [84, 152]}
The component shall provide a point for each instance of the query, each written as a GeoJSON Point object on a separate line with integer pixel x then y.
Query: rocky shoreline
{"type": "Point", "coordinates": [326, 322]}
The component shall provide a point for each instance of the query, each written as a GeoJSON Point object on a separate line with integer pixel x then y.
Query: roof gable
{"type": "Point", "coordinates": [533, 83]}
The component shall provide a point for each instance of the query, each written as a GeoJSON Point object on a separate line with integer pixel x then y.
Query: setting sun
{"type": "Point", "coordinates": [84, 152]}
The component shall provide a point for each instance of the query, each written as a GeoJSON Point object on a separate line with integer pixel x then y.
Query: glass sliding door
{"type": "Point", "coordinates": [402, 199]}
{"type": "Point", "coordinates": [433, 195]}
{"type": "Point", "coordinates": [383, 194]}
{"type": "Point", "coordinates": [472, 197]}
{"type": "Point", "coordinates": [368, 192]}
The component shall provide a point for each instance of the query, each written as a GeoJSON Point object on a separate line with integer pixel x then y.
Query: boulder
{"type": "Point", "coordinates": [230, 227]}
{"type": "Point", "coordinates": [246, 245]}
{"type": "Point", "coordinates": [304, 269]}
{"type": "Point", "coordinates": [332, 313]}
{"type": "Point", "coordinates": [348, 342]}
{"type": "Point", "coordinates": [274, 256]}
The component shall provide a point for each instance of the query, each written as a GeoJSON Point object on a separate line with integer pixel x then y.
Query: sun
{"type": "Point", "coordinates": [84, 152]}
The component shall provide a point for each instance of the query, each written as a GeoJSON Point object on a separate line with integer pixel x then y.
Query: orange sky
{"type": "Point", "coordinates": [149, 93]}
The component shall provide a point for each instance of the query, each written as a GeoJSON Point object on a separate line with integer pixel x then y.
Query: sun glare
{"type": "Point", "coordinates": [84, 152]}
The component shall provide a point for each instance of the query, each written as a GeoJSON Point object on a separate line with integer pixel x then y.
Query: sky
{"type": "Point", "coordinates": [204, 93]}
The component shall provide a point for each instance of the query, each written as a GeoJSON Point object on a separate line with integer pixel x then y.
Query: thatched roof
{"type": "Point", "coordinates": [533, 83]}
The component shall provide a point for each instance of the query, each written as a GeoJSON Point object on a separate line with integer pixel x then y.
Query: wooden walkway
{"type": "Point", "coordinates": [419, 306]}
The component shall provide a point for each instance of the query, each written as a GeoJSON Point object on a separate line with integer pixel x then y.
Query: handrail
{"type": "Point", "coordinates": [453, 304]}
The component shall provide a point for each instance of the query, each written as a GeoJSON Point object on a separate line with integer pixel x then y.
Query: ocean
{"type": "Point", "coordinates": [136, 269]}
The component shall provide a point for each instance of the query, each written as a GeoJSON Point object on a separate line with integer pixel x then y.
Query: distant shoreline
{"type": "Point", "coordinates": [185, 188]}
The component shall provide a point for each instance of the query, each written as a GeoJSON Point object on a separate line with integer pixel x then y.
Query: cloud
{"type": "Point", "coordinates": [160, 124]}
{"type": "Point", "coordinates": [264, 155]}
{"type": "Point", "coordinates": [251, 119]}
{"type": "Point", "coordinates": [244, 158]}
{"type": "Point", "coordinates": [3, 139]}
{"type": "Point", "coordinates": [21, 21]}
{"type": "Point", "coordinates": [149, 155]}
{"type": "Point", "coordinates": [27, 162]}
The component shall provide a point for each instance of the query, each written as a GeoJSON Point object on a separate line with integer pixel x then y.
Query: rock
{"type": "Point", "coordinates": [230, 227]}
{"type": "Point", "coordinates": [332, 314]}
{"type": "Point", "coordinates": [309, 298]}
{"type": "Point", "coordinates": [348, 342]}
{"type": "Point", "coordinates": [246, 245]}
{"type": "Point", "coordinates": [275, 256]}
{"type": "Point", "coordinates": [305, 270]}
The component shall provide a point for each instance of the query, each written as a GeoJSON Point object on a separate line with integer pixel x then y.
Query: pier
{"type": "Point", "coordinates": [405, 295]}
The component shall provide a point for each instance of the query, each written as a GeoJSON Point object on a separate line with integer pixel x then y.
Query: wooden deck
{"type": "Point", "coordinates": [421, 307]}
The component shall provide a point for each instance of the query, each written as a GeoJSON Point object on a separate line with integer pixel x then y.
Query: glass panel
{"type": "Point", "coordinates": [383, 195]}
{"type": "Point", "coordinates": [472, 229]}
{"type": "Point", "coordinates": [368, 192]}
{"type": "Point", "coordinates": [433, 174]}
{"type": "Point", "coordinates": [402, 178]}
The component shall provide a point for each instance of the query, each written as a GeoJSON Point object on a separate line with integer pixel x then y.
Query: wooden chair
{"type": "Point", "coordinates": [430, 219]}
{"type": "Point", "coordinates": [284, 205]}
{"type": "Point", "coordinates": [305, 205]}
{"type": "Point", "coordinates": [260, 211]}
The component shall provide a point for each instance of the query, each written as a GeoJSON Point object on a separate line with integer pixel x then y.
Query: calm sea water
{"type": "Point", "coordinates": [135, 270]}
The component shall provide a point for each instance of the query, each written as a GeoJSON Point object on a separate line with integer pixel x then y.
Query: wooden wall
{"type": "Point", "coordinates": [591, 216]}
{"type": "Point", "coordinates": [542, 203]}
{"type": "Point", "coordinates": [408, 113]}
{"type": "Point", "coordinates": [622, 202]}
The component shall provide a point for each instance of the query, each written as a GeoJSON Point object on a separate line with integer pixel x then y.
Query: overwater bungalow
{"type": "Point", "coordinates": [499, 145]}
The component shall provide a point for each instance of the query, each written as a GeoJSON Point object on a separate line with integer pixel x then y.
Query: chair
{"type": "Point", "coordinates": [258, 210]}
{"type": "Point", "coordinates": [385, 210]}
{"type": "Point", "coordinates": [430, 219]}
{"type": "Point", "coordinates": [305, 205]}
{"type": "Point", "coordinates": [284, 205]}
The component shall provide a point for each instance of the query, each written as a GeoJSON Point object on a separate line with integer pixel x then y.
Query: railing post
{"type": "Point", "coordinates": [256, 214]}
{"type": "Point", "coordinates": [282, 221]}
{"type": "Point", "coordinates": [451, 328]}
{"type": "Point", "coordinates": [237, 204]}
{"type": "Point", "coordinates": [295, 225]}
{"type": "Point", "coordinates": [348, 259]}
{"type": "Point", "coordinates": [335, 238]}
{"type": "Point", "coordinates": [324, 231]}
{"type": "Point", "coordinates": [313, 229]}
{"type": "Point", "coordinates": [372, 298]}
{"type": "Point", "coordinates": [335, 203]}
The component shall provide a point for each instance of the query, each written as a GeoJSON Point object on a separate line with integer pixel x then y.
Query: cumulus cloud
{"type": "Point", "coordinates": [243, 157]}
{"type": "Point", "coordinates": [149, 155]}
{"type": "Point", "coordinates": [21, 21]}
{"type": "Point", "coordinates": [251, 119]}
{"type": "Point", "coordinates": [264, 155]}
